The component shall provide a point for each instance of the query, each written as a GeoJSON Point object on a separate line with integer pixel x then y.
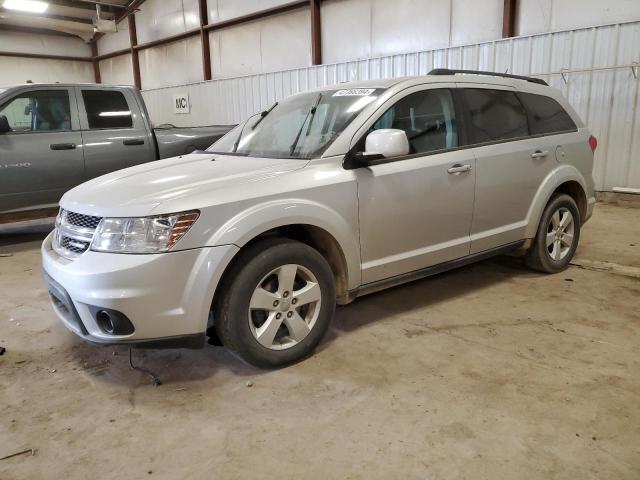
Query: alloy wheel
{"type": "Point", "coordinates": [560, 234]}
{"type": "Point", "coordinates": [284, 307]}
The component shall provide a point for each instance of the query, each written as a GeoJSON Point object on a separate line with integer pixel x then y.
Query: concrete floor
{"type": "Point", "coordinates": [491, 371]}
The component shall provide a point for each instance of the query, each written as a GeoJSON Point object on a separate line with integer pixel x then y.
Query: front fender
{"type": "Point", "coordinates": [564, 173]}
{"type": "Point", "coordinates": [248, 224]}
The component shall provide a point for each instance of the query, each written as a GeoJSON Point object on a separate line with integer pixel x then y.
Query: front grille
{"type": "Point", "coordinates": [75, 246]}
{"type": "Point", "coordinates": [73, 234]}
{"type": "Point", "coordinates": [80, 220]}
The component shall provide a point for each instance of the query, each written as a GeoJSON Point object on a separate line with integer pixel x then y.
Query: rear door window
{"type": "Point", "coordinates": [107, 109]}
{"type": "Point", "coordinates": [546, 115]}
{"type": "Point", "coordinates": [495, 115]}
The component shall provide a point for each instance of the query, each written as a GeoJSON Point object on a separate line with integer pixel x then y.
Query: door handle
{"type": "Point", "coordinates": [540, 154]}
{"type": "Point", "coordinates": [457, 168]}
{"type": "Point", "coordinates": [133, 141]}
{"type": "Point", "coordinates": [62, 146]}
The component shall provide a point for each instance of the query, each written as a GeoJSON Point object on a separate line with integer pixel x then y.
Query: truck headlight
{"type": "Point", "coordinates": [143, 234]}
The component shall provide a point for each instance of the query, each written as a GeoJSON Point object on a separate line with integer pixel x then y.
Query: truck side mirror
{"type": "Point", "coordinates": [4, 124]}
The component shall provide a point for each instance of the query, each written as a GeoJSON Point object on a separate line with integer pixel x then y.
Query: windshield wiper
{"type": "Point", "coordinates": [264, 114]}
{"type": "Point", "coordinates": [237, 142]}
{"type": "Point", "coordinates": [310, 114]}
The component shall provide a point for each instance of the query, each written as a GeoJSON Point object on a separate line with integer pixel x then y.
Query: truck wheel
{"type": "Point", "coordinates": [276, 303]}
{"type": "Point", "coordinates": [557, 237]}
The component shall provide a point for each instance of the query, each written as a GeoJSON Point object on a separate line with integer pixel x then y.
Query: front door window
{"type": "Point", "coordinates": [428, 119]}
{"type": "Point", "coordinates": [38, 111]}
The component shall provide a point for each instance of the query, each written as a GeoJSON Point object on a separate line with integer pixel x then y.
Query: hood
{"type": "Point", "coordinates": [152, 188]}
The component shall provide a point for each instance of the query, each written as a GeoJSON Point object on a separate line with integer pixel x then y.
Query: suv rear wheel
{"type": "Point", "coordinates": [557, 237]}
{"type": "Point", "coordinates": [276, 304]}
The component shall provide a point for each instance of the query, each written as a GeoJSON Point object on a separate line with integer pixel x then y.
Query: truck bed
{"type": "Point", "coordinates": [173, 141]}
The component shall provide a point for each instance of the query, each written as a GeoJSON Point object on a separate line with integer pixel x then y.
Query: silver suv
{"type": "Point", "coordinates": [324, 197]}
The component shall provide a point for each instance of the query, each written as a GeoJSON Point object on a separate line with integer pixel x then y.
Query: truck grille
{"type": "Point", "coordinates": [73, 233]}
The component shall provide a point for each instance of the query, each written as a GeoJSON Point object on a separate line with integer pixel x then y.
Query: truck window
{"type": "Point", "coordinates": [38, 111]}
{"type": "Point", "coordinates": [107, 109]}
{"type": "Point", "coordinates": [494, 115]}
{"type": "Point", "coordinates": [547, 115]}
{"type": "Point", "coordinates": [427, 117]}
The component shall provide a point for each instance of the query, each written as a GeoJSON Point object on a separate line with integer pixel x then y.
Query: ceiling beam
{"type": "Point", "coordinates": [50, 15]}
{"type": "Point", "coordinates": [104, 4]}
{"type": "Point", "coordinates": [35, 31]}
{"type": "Point", "coordinates": [45, 56]}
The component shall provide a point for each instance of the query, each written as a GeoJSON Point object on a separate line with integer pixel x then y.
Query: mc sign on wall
{"type": "Point", "coordinates": [181, 103]}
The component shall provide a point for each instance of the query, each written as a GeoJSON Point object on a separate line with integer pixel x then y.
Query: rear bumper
{"type": "Point", "coordinates": [167, 297]}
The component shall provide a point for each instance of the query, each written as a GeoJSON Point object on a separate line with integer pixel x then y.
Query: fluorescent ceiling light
{"type": "Point", "coordinates": [32, 6]}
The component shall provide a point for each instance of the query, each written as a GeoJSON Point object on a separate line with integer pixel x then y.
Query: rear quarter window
{"type": "Point", "coordinates": [546, 115]}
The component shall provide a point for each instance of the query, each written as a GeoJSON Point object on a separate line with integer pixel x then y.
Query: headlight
{"type": "Point", "coordinates": [142, 235]}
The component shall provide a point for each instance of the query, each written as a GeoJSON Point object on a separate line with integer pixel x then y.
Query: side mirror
{"type": "Point", "coordinates": [388, 142]}
{"type": "Point", "coordinates": [4, 124]}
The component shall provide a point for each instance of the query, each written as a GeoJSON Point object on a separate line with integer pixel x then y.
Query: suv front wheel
{"type": "Point", "coordinates": [557, 237]}
{"type": "Point", "coordinates": [276, 303]}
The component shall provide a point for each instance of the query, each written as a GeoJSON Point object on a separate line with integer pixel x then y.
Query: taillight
{"type": "Point", "coordinates": [593, 143]}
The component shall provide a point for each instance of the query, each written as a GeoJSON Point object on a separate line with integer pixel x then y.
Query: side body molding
{"type": "Point", "coordinates": [249, 223]}
{"type": "Point", "coordinates": [563, 173]}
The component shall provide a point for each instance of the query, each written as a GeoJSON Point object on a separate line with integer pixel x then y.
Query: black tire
{"type": "Point", "coordinates": [231, 312]}
{"type": "Point", "coordinates": [538, 257]}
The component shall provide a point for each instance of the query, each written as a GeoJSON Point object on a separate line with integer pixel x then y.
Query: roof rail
{"type": "Point", "coordinates": [446, 71]}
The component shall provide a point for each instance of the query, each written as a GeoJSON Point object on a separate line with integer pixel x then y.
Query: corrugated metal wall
{"type": "Point", "coordinates": [21, 69]}
{"type": "Point", "coordinates": [592, 66]}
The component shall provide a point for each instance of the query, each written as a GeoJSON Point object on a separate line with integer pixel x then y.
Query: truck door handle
{"type": "Point", "coordinates": [62, 146]}
{"type": "Point", "coordinates": [133, 141]}
{"type": "Point", "coordinates": [540, 154]}
{"type": "Point", "coordinates": [457, 168]}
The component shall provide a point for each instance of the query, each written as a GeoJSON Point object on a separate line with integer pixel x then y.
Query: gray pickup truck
{"type": "Point", "coordinates": [56, 136]}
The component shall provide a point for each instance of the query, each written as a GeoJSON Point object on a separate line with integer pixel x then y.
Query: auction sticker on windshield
{"type": "Point", "coordinates": [354, 92]}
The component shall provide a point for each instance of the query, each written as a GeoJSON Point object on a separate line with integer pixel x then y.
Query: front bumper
{"type": "Point", "coordinates": [167, 297]}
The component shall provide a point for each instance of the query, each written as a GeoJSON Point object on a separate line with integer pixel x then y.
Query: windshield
{"type": "Point", "coordinates": [302, 126]}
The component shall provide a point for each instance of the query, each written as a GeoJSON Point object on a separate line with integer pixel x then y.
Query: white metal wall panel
{"type": "Point", "coordinates": [163, 18]}
{"type": "Point", "coordinates": [535, 16]}
{"type": "Point", "coordinates": [405, 25]}
{"type": "Point", "coordinates": [258, 46]}
{"type": "Point", "coordinates": [112, 42]}
{"type": "Point", "coordinates": [20, 42]}
{"type": "Point", "coordinates": [355, 29]}
{"type": "Point", "coordinates": [476, 21]}
{"type": "Point", "coordinates": [175, 63]}
{"type": "Point", "coordinates": [346, 30]}
{"type": "Point", "coordinates": [592, 67]}
{"type": "Point", "coordinates": [19, 70]}
{"type": "Point", "coordinates": [220, 10]}
{"type": "Point", "coordinates": [117, 70]}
